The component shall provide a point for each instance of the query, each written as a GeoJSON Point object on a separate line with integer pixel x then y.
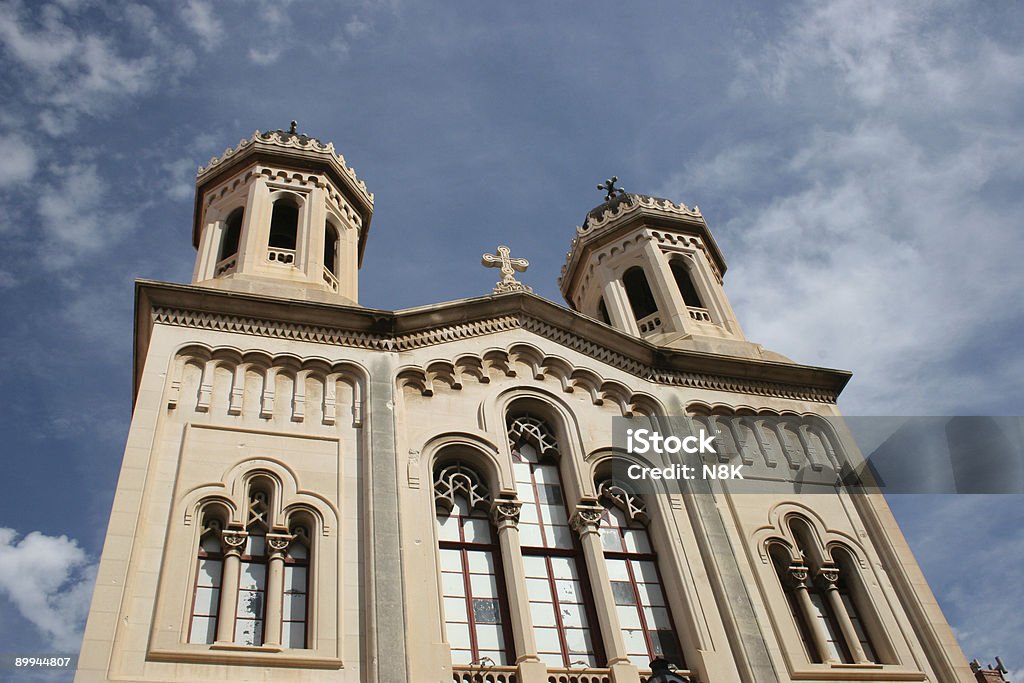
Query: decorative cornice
{"type": "Point", "coordinates": [284, 141]}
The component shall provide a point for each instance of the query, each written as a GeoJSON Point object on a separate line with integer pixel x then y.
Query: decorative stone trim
{"type": "Point", "coordinates": [478, 328]}
{"type": "Point", "coordinates": [505, 512]}
{"type": "Point", "coordinates": [586, 519]}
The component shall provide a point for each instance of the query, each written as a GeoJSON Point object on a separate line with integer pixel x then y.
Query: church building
{"type": "Point", "coordinates": [313, 490]}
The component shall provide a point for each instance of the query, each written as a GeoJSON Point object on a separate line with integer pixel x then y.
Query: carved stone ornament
{"type": "Point", "coordinates": [234, 539]}
{"type": "Point", "coordinates": [509, 266]}
{"type": "Point", "coordinates": [828, 576]}
{"type": "Point", "coordinates": [279, 542]}
{"type": "Point", "coordinates": [586, 519]}
{"type": "Point", "coordinates": [505, 512]}
{"type": "Point", "coordinates": [798, 574]}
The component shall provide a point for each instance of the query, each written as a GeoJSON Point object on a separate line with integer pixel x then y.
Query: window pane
{"type": "Point", "coordinates": [253, 575]}
{"type": "Point", "coordinates": [447, 528]}
{"type": "Point", "coordinates": [572, 615]}
{"type": "Point", "coordinates": [455, 610]}
{"type": "Point", "coordinates": [560, 538]}
{"type": "Point", "coordinates": [295, 578]}
{"type": "Point", "coordinates": [538, 590]}
{"type": "Point", "coordinates": [480, 562]}
{"type": "Point", "coordinates": [636, 541]}
{"type": "Point", "coordinates": [529, 535]}
{"type": "Point", "coordinates": [552, 659]}
{"type": "Point", "coordinates": [462, 657]}
{"type": "Point", "coordinates": [255, 545]}
{"type": "Point", "coordinates": [458, 635]}
{"type": "Point", "coordinates": [651, 595]}
{"type": "Point", "coordinates": [294, 607]}
{"type": "Point", "coordinates": [636, 644]}
{"type": "Point", "coordinates": [623, 593]}
{"type": "Point", "coordinates": [485, 611]}
{"type": "Point", "coordinates": [497, 656]}
{"type": "Point", "coordinates": [568, 591]}
{"type": "Point", "coordinates": [578, 641]}
{"type": "Point", "coordinates": [250, 604]}
{"type": "Point", "coordinates": [666, 645]}
{"type": "Point", "coordinates": [617, 570]}
{"type": "Point", "coordinates": [483, 585]}
{"type": "Point", "coordinates": [210, 543]}
{"type": "Point", "coordinates": [209, 573]}
{"type": "Point", "coordinates": [610, 539]}
{"type": "Point", "coordinates": [547, 641]}
{"type": "Point", "coordinates": [489, 636]}
{"type": "Point", "coordinates": [204, 630]}
{"type": "Point", "coordinates": [293, 634]}
{"type": "Point", "coordinates": [645, 571]}
{"type": "Point", "coordinates": [628, 617]}
{"type": "Point", "coordinates": [563, 568]}
{"type": "Point", "coordinates": [207, 600]}
{"type": "Point", "coordinates": [477, 530]}
{"type": "Point", "coordinates": [451, 560]}
{"type": "Point", "coordinates": [297, 551]}
{"type": "Point", "coordinates": [248, 632]}
{"type": "Point", "coordinates": [535, 566]}
{"type": "Point", "coordinates": [550, 494]}
{"type": "Point", "coordinates": [657, 618]}
{"type": "Point", "coordinates": [543, 614]}
{"type": "Point", "coordinates": [452, 584]}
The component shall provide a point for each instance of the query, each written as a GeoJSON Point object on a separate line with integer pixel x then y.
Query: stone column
{"type": "Point", "coordinates": [233, 542]}
{"type": "Point", "coordinates": [586, 521]}
{"type": "Point", "coordinates": [674, 314]}
{"type": "Point", "coordinates": [619, 310]}
{"type": "Point", "coordinates": [505, 516]}
{"type": "Point", "coordinates": [798, 574]}
{"type": "Point", "coordinates": [276, 544]}
{"type": "Point", "coordinates": [828, 578]}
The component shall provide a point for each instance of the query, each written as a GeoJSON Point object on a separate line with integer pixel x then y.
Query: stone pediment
{"type": "Point", "coordinates": [396, 331]}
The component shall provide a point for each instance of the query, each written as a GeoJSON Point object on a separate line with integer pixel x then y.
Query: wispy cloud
{"type": "Point", "coordinates": [882, 240]}
{"type": "Point", "coordinates": [18, 162]}
{"type": "Point", "coordinates": [200, 19]}
{"type": "Point", "coordinates": [49, 579]}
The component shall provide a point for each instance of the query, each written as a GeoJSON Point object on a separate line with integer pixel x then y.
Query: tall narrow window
{"type": "Point", "coordinates": [792, 582]}
{"type": "Point", "coordinates": [602, 312]}
{"type": "Point", "coordinates": [284, 224]}
{"type": "Point", "coordinates": [295, 605]}
{"type": "Point", "coordinates": [851, 594]}
{"type": "Point", "coordinates": [252, 579]}
{"type": "Point", "coordinates": [685, 284]}
{"type": "Point", "coordinates": [638, 291]}
{"type": "Point", "coordinates": [206, 592]}
{"type": "Point", "coordinates": [232, 234]}
{"type": "Point", "coordinates": [331, 248]}
{"type": "Point", "coordinates": [647, 627]}
{"type": "Point", "coordinates": [561, 605]}
{"type": "Point", "coordinates": [477, 624]}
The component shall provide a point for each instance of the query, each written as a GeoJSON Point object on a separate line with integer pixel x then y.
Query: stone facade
{"type": "Point", "coordinates": [297, 466]}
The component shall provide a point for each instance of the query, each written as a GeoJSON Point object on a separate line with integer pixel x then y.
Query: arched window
{"type": "Point", "coordinates": [685, 284]}
{"type": "Point", "coordinates": [644, 616]}
{"type": "Point", "coordinates": [477, 624]}
{"type": "Point", "coordinates": [561, 605]}
{"type": "Point", "coordinates": [823, 596]}
{"type": "Point", "coordinates": [232, 234]}
{"type": "Point", "coordinates": [252, 578]}
{"type": "Point", "coordinates": [638, 291]}
{"type": "Point", "coordinates": [284, 224]}
{"type": "Point", "coordinates": [602, 312]}
{"type": "Point", "coordinates": [206, 591]}
{"type": "Point", "coordinates": [331, 248]}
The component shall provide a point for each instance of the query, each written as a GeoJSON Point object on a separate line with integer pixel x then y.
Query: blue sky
{"type": "Point", "coordinates": [859, 162]}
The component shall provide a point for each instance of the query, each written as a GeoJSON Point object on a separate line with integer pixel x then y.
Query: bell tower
{"type": "Point", "coordinates": [651, 268]}
{"type": "Point", "coordinates": [281, 214]}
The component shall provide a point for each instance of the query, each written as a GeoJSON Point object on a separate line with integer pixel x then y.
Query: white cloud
{"type": "Point", "coordinates": [49, 579]}
{"type": "Point", "coordinates": [356, 27]}
{"type": "Point", "coordinates": [18, 161]}
{"type": "Point", "coordinates": [880, 249]}
{"type": "Point", "coordinates": [200, 19]}
{"type": "Point", "coordinates": [264, 57]}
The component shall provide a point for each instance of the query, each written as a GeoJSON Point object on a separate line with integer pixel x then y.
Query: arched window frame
{"type": "Point", "coordinates": [639, 293]}
{"type": "Point", "coordinates": [252, 583]}
{"type": "Point", "coordinates": [464, 587]}
{"type": "Point", "coordinates": [683, 275]}
{"type": "Point", "coordinates": [540, 560]}
{"type": "Point", "coordinates": [811, 580]}
{"type": "Point", "coordinates": [230, 238]}
{"type": "Point", "coordinates": [630, 556]}
{"type": "Point", "coordinates": [206, 585]}
{"type": "Point", "coordinates": [282, 239]}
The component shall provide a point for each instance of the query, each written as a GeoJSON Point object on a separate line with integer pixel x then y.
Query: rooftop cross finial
{"type": "Point", "coordinates": [293, 129]}
{"type": "Point", "coordinates": [508, 266]}
{"type": "Point", "coordinates": [611, 192]}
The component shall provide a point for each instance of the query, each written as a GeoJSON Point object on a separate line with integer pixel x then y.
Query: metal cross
{"type": "Point", "coordinates": [609, 188]}
{"type": "Point", "coordinates": [293, 129]}
{"type": "Point", "coordinates": [509, 266]}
